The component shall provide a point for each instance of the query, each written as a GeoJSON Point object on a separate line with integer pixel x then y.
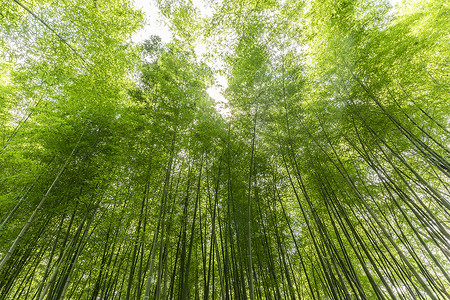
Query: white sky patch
{"type": "Point", "coordinates": [395, 2]}
{"type": "Point", "coordinates": [215, 92]}
{"type": "Point", "coordinates": [205, 9]}
{"type": "Point", "coordinates": [200, 49]}
{"type": "Point", "coordinates": [153, 23]}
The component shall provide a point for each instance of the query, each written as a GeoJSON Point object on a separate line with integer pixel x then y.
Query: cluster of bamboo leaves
{"type": "Point", "coordinates": [119, 178]}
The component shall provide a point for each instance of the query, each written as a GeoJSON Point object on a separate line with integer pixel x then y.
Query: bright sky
{"type": "Point", "coordinates": [152, 25]}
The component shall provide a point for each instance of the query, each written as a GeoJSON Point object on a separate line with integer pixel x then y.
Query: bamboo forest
{"type": "Point", "coordinates": [321, 172]}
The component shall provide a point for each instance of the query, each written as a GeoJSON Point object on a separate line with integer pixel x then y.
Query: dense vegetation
{"type": "Point", "coordinates": [329, 179]}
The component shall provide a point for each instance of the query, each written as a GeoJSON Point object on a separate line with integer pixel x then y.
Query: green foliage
{"type": "Point", "coordinates": [120, 179]}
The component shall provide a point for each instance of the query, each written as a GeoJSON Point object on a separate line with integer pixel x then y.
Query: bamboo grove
{"type": "Point", "coordinates": [328, 179]}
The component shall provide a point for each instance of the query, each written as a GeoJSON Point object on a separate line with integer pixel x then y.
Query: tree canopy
{"type": "Point", "coordinates": [120, 178]}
